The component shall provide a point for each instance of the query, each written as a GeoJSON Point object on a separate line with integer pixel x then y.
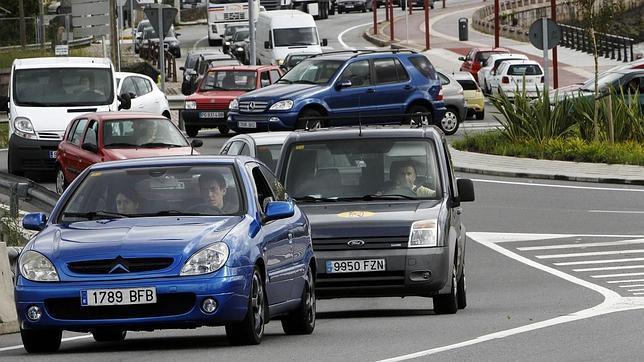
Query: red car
{"type": "Point", "coordinates": [208, 106]}
{"type": "Point", "coordinates": [109, 136]}
{"type": "Point", "coordinates": [474, 59]}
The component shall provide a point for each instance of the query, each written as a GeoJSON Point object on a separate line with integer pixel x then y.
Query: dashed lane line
{"type": "Point", "coordinates": [607, 261]}
{"type": "Point", "coordinates": [582, 245]}
{"type": "Point", "coordinates": [595, 253]}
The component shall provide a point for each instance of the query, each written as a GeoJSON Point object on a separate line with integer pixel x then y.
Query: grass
{"type": "Point", "coordinates": [4, 135]}
{"type": "Point", "coordinates": [7, 57]}
{"type": "Point", "coordinates": [564, 149]}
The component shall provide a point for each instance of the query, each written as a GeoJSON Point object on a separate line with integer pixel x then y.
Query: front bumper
{"type": "Point", "coordinates": [32, 155]}
{"type": "Point", "coordinates": [178, 303]}
{"type": "Point", "coordinates": [193, 117]}
{"type": "Point", "coordinates": [405, 275]}
{"type": "Point", "coordinates": [265, 121]}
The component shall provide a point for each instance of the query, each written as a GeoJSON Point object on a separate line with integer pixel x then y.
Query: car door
{"type": "Point", "coordinates": [275, 75]}
{"type": "Point", "coordinates": [393, 88]}
{"type": "Point", "coordinates": [355, 102]}
{"type": "Point", "coordinates": [145, 96]}
{"type": "Point", "coordinates": [73, 152]}
{"type": "Point", "coordinates": [90, 137]}
{"type": "Point", "coordinates": [264, 79]}
{"type": "Point", "coordinates": [454, 212]}
{"type": "Point", "coordinates": [275, 243]}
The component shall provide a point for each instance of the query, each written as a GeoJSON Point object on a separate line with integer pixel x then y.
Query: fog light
{"type": "Point", "coordinates": [209, 305]}
{"type": "Point", "coordinates": [34, 313]}
{"type": "Point", "coordinates": [274, 120]}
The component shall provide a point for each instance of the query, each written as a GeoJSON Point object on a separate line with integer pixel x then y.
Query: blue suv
{"type": "Point", "coordinates": [345, 88]}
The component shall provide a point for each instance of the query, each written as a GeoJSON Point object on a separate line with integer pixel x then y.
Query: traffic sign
{"type": "Point", "coordinates": [167, 12]}
{"type": "Point", "coordinates": [553, 34]}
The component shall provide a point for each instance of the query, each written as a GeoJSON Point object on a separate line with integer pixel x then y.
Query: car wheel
{"type": "Point", "coordinates": [223, 129]}
{"type": "Point", "coordinates": [461, 297]}
{"type": "Point", "coordinates": [418, 115]}
{"type": "Point", "coordinates": [480, 115]}
{"type": "Point", "coordinates": [41, 341]}
{"type": "Point", "coordinates": [192, 131]}
{"type": "Point", "coordinates": [449, 123]}
{"type": "Point", "coordinates": [448, 303]}
{"type": "Point", "coordinates": [251, 329]}
{"type": "Point", "coordinates": [61, 182]}
{"type": "Point", "coordinates": [309, 119]}
{"type": "Point", "coordinates": [109, 335]}
{"type": "Point", "coordinates": [302, 319]}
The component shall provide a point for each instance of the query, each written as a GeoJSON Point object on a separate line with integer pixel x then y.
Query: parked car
{"type": "Point", "coordinates": [108, 136]}
{"type": "Point", "coordinates": [385, 211]}
{"type": "Point", "coordinates": [475, 58]}
{"type": "Point", "coordinates": [208, 106]}
{"type": "Point", "coordinates": [345, 6]}
{"type": "Point", "coordinates": [338, 89]}
{"type": "Point", "coordinates": [454, 100]}
{"type": "Point", "coordinates": [138, 34]}
{"type": "Point", "coordinates": [144, 94]}
{"type": "Point", "coordinates": [264, 146]}
{"type": "Point", "coordinates": [515, 75]}
{"type": "Point", "coordinates": [167, 242]}
{"type": "Point", "coordinates": [474, 97]}
{"type": "Point", "coordinates": [229, 32]}
{"type": "Point", "coordinates": [488, 70]}
{"type": "Point", "coordinates": [170, 42]}
{"type": "Point", "coordinates": [204, 62]}
{"type": "Point", "coordinates": [629, 79]}
{"type": "Point", "coordinates": [421, 3]}
{"type": "Point", "coordinates": [293, 59]}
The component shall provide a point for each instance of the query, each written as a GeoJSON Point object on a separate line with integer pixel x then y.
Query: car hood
{"type": "Point", "coordinates": [113, 154]}
{"type": "Point", "coordinates": [174, 237]}
{"type": "Point", "coordinates": [367, 219]}
{"type": "Point", "coordinates": [283, 91]}
{"type": "Point", "coordinates": [219, 99]}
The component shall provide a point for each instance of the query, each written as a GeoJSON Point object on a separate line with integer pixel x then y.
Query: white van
{"type": "Point", "coordinates": [45, 94]}
{"type": "Point", "coordinates": [281, 32]}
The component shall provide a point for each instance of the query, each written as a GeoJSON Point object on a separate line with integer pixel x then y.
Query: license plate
{"type": "Point", "coordinates": [53, 154]}
{"type": "Point", "coordinates": [211, 115]}
{"type": "Point", "coordinates": [349, 6]}
{"type": "Point", "coordinates": [243, 124]}
{"type": "Point", "coordinates": [126, 296]}
{"type": "Point", "coordinates": [355, 266]}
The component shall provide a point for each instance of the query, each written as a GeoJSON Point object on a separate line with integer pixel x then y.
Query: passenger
{"type": "Point", "coordinates": [405, 180]}
{"type": "Point", "coordinates": [126, 202]}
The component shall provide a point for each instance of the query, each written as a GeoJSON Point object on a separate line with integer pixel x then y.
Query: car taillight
{"type": "Point", "coordinates": [505, 80]}
{"type": "Point", "coordinates": [440, 95]}
{"type": "Point", "coordinates": [541, 79]}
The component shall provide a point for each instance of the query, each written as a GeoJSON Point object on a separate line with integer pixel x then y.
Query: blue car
{"type": "Point", "coordinates": [167, 243]}
{"type": "Point", "coordinates": [345, 88]}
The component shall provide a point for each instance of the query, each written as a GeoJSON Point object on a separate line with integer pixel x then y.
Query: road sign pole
{"type": "Point", "coordinates": [251, 37]}
{"type": "Point", "coordinates": [496, 23]}
{"type": "Point", "coordinates": [555, 62]}
{"type": "Point", "coordinates": [427, 35]}
{"type": "Point", "coordinates": [161, 50]}
{"type": "Point", "coordinates": [546, 78]}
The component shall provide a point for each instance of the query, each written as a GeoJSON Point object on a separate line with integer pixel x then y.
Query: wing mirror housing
{"type": "Point", "coordinates": [279, 210]}
{"type": "Point", "coordinates": [4, 104]}
{"type": "Point", "coordinates": [462, 59]}
{"type": "Point", "coordinates": [346, 83]}
{"type": "Point", "coordinates": [125, 101]}
{"type": "Point", "coordinates": [325, 42]}
{"type": "Point", "coordinates": [34, 221]}
{"type": "Point", "coordinates": [465, 190]}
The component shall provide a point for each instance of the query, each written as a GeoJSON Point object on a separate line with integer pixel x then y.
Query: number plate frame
{"type": "Point", "coordinates": [211, 114]}
{"type": "Point", "coordinates": [128, 296]}
{"type": "Point", "coordinates": [247, 124]}
{"type": "Point", "coordinates": [355, 266]}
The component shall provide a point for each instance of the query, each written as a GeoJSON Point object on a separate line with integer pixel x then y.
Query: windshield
{"type": "Point", "coordinates": [63, 87]}
{"type": "Point", "coordinates": [241, 35]}
{"type": "Point", "coordinates": [155, 191]}
{"type": "Point", "coordinates": [293, 60]}
{"type": "Point", "coordinates": [295, 36]}
{"type": "Point", "coordinates": [232, 29]}
{"type": "Point", "coordinates": [350, 170]}
{"type": "Point", "coordinates": [312, 71]}
{"type": "Point", "coordinates": [229, 80]}
{"type": "Point", "coordinates": [605, 80]}
{"type": "Point", "coordinates": [142, 133]}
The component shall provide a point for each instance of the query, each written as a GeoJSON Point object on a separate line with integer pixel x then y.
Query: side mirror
{"type": "Point", "coordinates": [345, 83]}
{"type": "Point", "coordinates": [196, 143]}
{"type": "Point", "coordinates": [4, 104]}
{"type": "Point", "coordinates": [34, 221]}
{"type": "Point", "coordinates": [465, 190]}
{"type": "Point", "coordinates": [462, 59]}
{"type": "Point", "coordinates": [125, 102]}
{"type": "Point", "coordinates": [279, 210]}
{"type": "Point", "coordinates": [267, 45]}
{"type": "Point", "coordinates": [90, 147]}
{"type": "Point", "coordinates": [325, 42]}
{"type": "Point", "coordinates": [182, 68]}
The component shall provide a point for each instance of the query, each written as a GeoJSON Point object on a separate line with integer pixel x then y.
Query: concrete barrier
{"type": "Point", "coordinates": [8, 317]}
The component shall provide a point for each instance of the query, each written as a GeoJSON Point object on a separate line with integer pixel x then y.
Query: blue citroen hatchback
{"type": "Point", "coordinates": [345, 88]}
{"type": "Point", "coordinates": [167, 243]}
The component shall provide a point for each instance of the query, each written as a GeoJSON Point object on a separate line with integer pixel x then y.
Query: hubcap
{"type": "Point", "coordinates": [450, 121]}
{"type": "Point", "coordinates": [310, 300]}
{"type": "Point", "coordinates": [257, 303]}
{"type": "Point", "coordinates": [60, 182]}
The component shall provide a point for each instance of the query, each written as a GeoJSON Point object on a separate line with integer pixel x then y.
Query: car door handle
{"type": "Point", "coordinates": [371, 90]}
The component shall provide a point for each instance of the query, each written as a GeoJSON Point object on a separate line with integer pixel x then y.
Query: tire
{"type": "Point", "coordinates": [339, 11]}
{"type": "Point", "coordinates": [302, 319]}
{"type": "Point", "coordinates": [223, 129]}
{"type": "Point", "coordinates": [109, 335]}
{"type": "Point", "coordinates": [309, 118]}
{"type": "Point", "coordinates": [448, 303]}
{"type": "Point", "coordinates": [250, 330]}
{"type": "Point", "coordinates": [192, 131]}
{"type": "Point", "coordinates": [41, 341]}
{"type": "Point", "coordinates": [449, 123]}
{"type": "Point", "coordinates": [418, 115]}
{"type": "Point", "coordinates": [178, 55]}
{"type": "Point", "coordinates": [461, 296]}
{"type": "Point", "coordinates": [480, 115]}
{"type": "Point", "coordinates": [61, 182]}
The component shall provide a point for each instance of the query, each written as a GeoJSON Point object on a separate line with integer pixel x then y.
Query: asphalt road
{"type": "Point", "coordinates": [552, 271]}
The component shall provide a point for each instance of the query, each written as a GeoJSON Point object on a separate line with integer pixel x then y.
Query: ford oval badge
{"type": "Point", "coordinates": [355, 242]}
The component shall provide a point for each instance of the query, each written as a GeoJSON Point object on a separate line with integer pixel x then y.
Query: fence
{"type": "Point", "coordinates": [54, 29]}
{"type": "Point", "coordinates": [608, 45]}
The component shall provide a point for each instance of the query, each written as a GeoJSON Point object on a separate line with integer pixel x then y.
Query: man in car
{"type": "Point", "coordinates": [145, 132]}
{"type": "Point", "coordinates": [212, 188]}
{"type": "Point", "coordinates": [403, 175]}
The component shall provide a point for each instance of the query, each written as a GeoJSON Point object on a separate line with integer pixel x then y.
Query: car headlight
{"type": "Point", "coordinates": [36, 267]}
{"type": "Point", "coordinates": [227, 43]}
{"type": "Point", "coordinates": [282, 105]}
{"type": "Point", "coordinates": [191, 105]}
{"type": "Point", "coordinates": [234, 105]}
{"type": "Point", "coordinates": [240, 49]}
{"type": "Point", "coordinates": [423, 233]}
{"type": "Point", "coordinates": [207, 260]}
{"type": "Point", "coordinates": [24, 128]}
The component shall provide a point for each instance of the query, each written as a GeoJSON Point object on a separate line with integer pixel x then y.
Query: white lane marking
{"type": "Point", "coordinates": [625, 281]}
{"type": "Point", "coordinates": [603, 276]}
{"type": "Point", "coordinates": [638, 293]}
{"type": "Point", "coordinates": [558, 186]}
{"type": "Point", "coordinates": [622, 267]}
{"type": "Point", "coordinates": [344, 45]}
{"type": "Point", "coordinates": [577, 255]}
{"type": "Point", "coordinates": [522, 237]}
{"type": "Point", "coordinates": [194, 47]}
{"type": "Point", "coordinates": [636, 290]}
{"type": "Point", "coordinates": [631, 286]}
{"type": "Point", "coordinates": [605, 261]}
{"type": "Point", "coordinates": [583, 245]}
{"type": "Point", "coordinates": [612, 303]}
{"type": "Point", "coordinates": [4, 349]}
{"type": "Point", "coordinates": [616, 212]}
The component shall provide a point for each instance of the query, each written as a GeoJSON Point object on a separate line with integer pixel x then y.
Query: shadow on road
{"type": "Point", "coordinates": [374, 313]}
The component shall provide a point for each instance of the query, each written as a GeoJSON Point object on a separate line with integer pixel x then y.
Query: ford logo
{"type": "Point", "coordinates": [355, 242]}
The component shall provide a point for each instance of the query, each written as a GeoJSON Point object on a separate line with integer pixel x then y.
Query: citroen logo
{"type": "Point", "coordinates": [118, 267]}
{"type": "Point", "coordinates": [355, 242]}
{"type": "Point", "coordinates": [251, 105]}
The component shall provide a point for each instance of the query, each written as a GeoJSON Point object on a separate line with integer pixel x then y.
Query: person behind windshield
{"type": "Point", "coordinates": [403, 176]}
{"type": "Point", "coordinates": [126, 202]}
{"type": "Point", "coordinates": [212, 188]}
{"type": "Point", "coordinates": [145, 131]}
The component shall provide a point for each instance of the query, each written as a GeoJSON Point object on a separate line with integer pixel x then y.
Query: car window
{"type": "Point", "coordinates": [634, 85]}
{"type": "Point", "coordinates": [229, 80]}
{"type": "Point", "coordinates": [245, 150]}
{"type": "Point", "coordinates": [424, 66]}
{"type": "Point", "coordinates": [275, 75]}
{"type": "Point", "coordinates": [450, 171]}
{"type": "Point", "coordinates": [264, 79]}
{"type": "Point", "coordinates": [524, 69]}
{"type": "Point", "coordinates": [78, 132]}
{"type": "Point", "coordinates": [315, 71]}
{"type": "Point", "coordinates": [358, 73]}
{"type": "Point", "coordinates": [262, 190]}
{"type": "Point", "coordinates": [279, 192]}
{"type": "Point", "coordinates": [148, 133]}
{"type": "Point", "coordinates": [70, 134]}
{"type": "Point", "coordinates": [269, 154]}
{"type": "Point", "coordinates": [235, 148]}
{"type": "Point", "coordinates": [141, 86]}
{"type": "Point", "coordinates": [468, 84]}
{"type": "Point", "coordinates": [444, 80]}
{"type": "Point", "coordinates": [91, 135]}
{"type": "Point", "coordinates": [385, 71]}
{"type": "Point", "coordinates": [128, 86]}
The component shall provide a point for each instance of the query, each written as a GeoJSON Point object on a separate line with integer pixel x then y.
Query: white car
{"type": "Point", "coordinates": [513, 75]}
{"type": "Point", "coordinates": [486, 73]}
{"type": "Point", "coordinates": [145, 95]}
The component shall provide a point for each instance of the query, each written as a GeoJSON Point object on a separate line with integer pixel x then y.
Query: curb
{"type": "Point", "coordinates": [9, 327]}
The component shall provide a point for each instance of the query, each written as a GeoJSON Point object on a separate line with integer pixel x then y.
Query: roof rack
{"type": "Point", "coordinates": [365, 51]}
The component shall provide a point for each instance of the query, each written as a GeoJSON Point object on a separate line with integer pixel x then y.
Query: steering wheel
{"type": "Point", "coordinates": [205, 208]}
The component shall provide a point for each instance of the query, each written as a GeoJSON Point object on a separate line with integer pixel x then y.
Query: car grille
{"type": "Point", "coordinates": [270, 4]}
{"type": "Point", "coordinates": [110, 266]}
{"type": "Point", "coordinates": [257, 107]}
{"type": "Point", "coordinates": [166, 305]}
{"type": "Point", "coordinates": [50, 136]}
{"type": "Point", "coordinates": [212, 107]}
{"type": "Point", "coordinates": [369, 243]}
{"type": "Point", "coordinates": [371, 279]}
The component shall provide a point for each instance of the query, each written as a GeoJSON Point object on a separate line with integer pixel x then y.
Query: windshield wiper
{"type": "Point", "coordinates": [171, 213]}
{"type": "Point", "coordinates": [34, 104]}
{"type": "Point", "coordinates": [285, 81]}
{"type": "Point", "coordinates": [93, 215]}
{"type": "Point", "coordinates": [302, 43]}
{"type": "Point", "coordinates": [120, 144]}
{"type": "Point", "coordinates": [387, 196]}
{"type": "Point", "coordinates": [303, 81]}
{"type": "Point", "coordinates": [160, 144]}
{"type": "Point", "coordinates": [315, 198]}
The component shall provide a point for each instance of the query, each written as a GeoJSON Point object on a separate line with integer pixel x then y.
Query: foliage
{"type": "Point", "coordinates": [4, 135]}
{"type": "Point", "coordinates": [7, 57]}
{"type": "Point", "coordinates": [11, 229]}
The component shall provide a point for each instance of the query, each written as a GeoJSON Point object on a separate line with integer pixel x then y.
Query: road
{"type": "Point", "coordinates": [554, 271]}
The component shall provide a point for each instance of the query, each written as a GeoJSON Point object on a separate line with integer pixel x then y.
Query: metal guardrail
{"type": "Point", "coordinates": [178, 103]}
{"type": "Point", "coordinates": [23, 189]}
{"type": "Point", "coordinates": [608, 45]}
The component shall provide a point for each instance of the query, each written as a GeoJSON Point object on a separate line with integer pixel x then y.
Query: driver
{"type": "Point", "coordinates": [213, 188]}
{"type": "Point", "coordinates": [404, 177]}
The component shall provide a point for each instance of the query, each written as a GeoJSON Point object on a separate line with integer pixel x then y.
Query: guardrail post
{"type": "Point", "coordinates": [625, 50]}
{"type": "Point", "coordinates": [613, 45]}
{"type": "Point", "coordinates": [631, 41]}
{"type": "Point", "coordinates": [618, 45]}
{"type": "Point", "coordinates": [14, 201]}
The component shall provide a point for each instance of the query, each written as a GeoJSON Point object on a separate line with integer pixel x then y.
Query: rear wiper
{"type": "Point", "coordinates": [159, 144]}
{"type": "Point", "coordinates": [92, 215]}
{"type": "Point", "coordinates": [120, 144]}
{"type": "Point", "coordinates": [387, 196]}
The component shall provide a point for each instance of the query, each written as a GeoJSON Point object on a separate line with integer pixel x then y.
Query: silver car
{"type": "Point", "coordinates": [454, 102]}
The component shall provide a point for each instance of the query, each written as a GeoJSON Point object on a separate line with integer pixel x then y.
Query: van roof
{"type": "Point", "coordinates": [275, 14]}
{"type": "Point", "coordinates": [62, 62]}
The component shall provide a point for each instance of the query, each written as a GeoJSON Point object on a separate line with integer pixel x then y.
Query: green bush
{"type": "Point", "coordinates": [4, 135]}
